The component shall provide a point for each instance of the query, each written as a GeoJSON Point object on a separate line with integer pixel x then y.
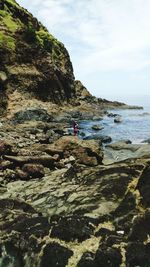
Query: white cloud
{"type": "Point", "coordinates": [115, 31]}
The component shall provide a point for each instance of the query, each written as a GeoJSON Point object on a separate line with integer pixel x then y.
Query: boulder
{"type": "Point", "coordinates": [72, 228]}
{"type": "Point", "coordinates": [101, 138]}
{"type": "Point", "coordinates": [34, 170]}
{"type": "Point", "coordinates": [123, 144]}
{"type": "Point", "coordinates": [5, 148]}
{"type": "Point", "coordinates": [108, 256]}
{"type": "Point", "coordinates": [118, 119]}
{"type": "Point", "coordinates": [87, 260]}
{"type": "Point", "coordinates": [97, 127]}
{"type": "Point", "coordinates": [85, 152]}
{"type": "Point", "coordinates": [55, 255]}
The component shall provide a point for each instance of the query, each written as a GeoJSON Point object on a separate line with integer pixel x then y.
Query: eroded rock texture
{"type": "Point", "coordinates": [61, 206]}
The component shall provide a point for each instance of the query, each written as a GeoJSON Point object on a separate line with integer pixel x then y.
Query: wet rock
{"type": "Point", "coordinates": [55, 255]}
{"type": "Point", "coordinates": [72, 228]}
{"type": "Point", "coordinates": [11, 255]}
{"type": "Point", "coordinates": [144, 186]}
{"type": "Point", "coordinates": [97, 127]}
{"type": "Point", "coordinates": [138, 254]}
{"type": "Point", "coordinates": [107, 256]}
{"type": "Point", "coordinates": [101, 138]}
{"type": "Point", "coordinates": [118, 119]}
{"type": "Point", "coordinates": [123, 144]}
{"type": "Point", "coordinates": [37, 226]}
{"type": "Point", "coordinates": [106, 139]}
{"type": "Point", "coordinates": [87, 260]}
{"type": "Point", "coordinates": [140, 228]}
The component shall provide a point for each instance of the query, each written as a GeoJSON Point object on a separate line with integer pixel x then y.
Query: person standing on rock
{"type": "Point", "coordinates": [75, 128]}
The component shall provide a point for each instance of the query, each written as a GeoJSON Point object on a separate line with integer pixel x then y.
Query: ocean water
{"type": "Point", "coordinates": [135, 125]}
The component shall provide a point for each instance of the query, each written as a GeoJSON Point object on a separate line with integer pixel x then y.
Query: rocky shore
{"type": "Point", "coordinates": [64, 201]}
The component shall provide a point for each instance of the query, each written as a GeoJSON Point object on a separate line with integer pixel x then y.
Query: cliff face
{"type": "Point", "coordinates": [32, 61]}
{"type": "Point", "coordinates": [35, 68]}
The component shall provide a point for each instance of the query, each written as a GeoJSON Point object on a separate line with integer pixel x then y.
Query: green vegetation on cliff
{"type": "Point", "coordinates": [35, 62]}
{"type": "Point", "coordinates": [7, 41]}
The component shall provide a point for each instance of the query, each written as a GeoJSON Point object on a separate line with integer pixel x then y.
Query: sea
{"type": "Point", "coordinates": [135, 125]}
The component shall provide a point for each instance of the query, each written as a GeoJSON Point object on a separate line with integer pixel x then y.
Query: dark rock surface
{"type": "Point", "coordinates": [144, 186]}
{"type": "Point", "coordinates": [101, 138]}
{"type": "Point", "coordinates": [72, 228]}
{"type": "Point", "coordinates": [60, 204]}
{"type": "Point", "coordinates": [55, 255]}
{"type": "Point", "coordinates": [32, 114]}
{"type": "Point", "coordinates": [97, 127]}
{"type": "Point", "coordinates": [118, 119]}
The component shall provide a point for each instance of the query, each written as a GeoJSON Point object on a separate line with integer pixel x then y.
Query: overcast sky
{"type": "Point", "coordinates": [108, 42]}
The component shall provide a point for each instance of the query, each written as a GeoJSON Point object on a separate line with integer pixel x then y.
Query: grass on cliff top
{"type": "Point", "coordinates": [13, 2]}
{"type": "Point", "coordinates": [46, 40]}
{"type": "Point", "coordinates": [42, 37]}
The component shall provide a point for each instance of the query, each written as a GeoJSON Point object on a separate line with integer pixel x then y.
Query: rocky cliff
{"type": "Point", "coordinates": [33, 63]}
{"type": "Point", "coordinates": [35, 68]}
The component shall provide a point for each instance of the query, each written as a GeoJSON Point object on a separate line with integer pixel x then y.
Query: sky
{"type": "Point", "coordinates": [108, 42]}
